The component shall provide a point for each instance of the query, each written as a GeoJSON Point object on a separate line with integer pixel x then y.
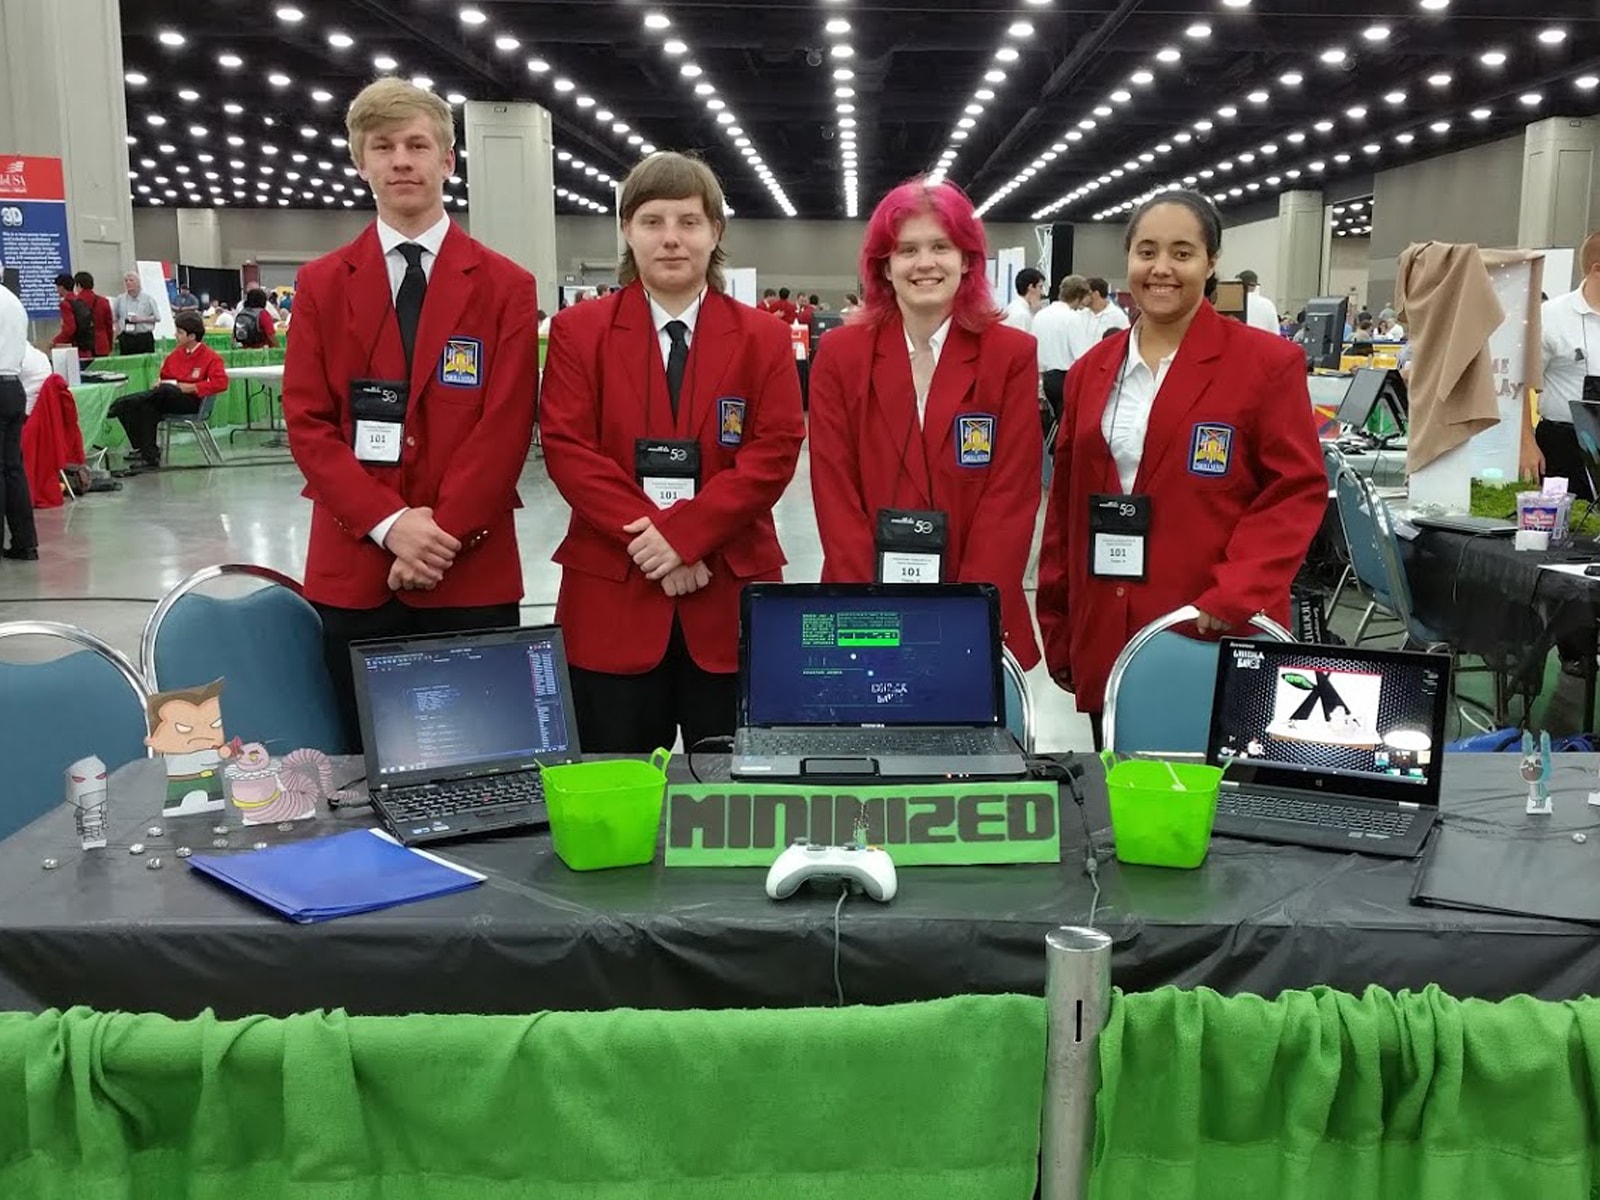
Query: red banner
{"type": "Point", "coordinates": [31, 178]}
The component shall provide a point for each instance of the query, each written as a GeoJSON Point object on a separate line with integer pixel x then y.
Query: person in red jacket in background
{"type": "Point", "coordinates": [86, 319]}
{"type": "Point", "coordinates": [785, 307]}
{"type": "Point", "coordinates": [672, 424]}
{"type": "Point", "coordinates": [190, 373]}
{"type": "Point", "coordinates": [1187, 469]}
{"type": "Point", "coordinates": [924, 406]}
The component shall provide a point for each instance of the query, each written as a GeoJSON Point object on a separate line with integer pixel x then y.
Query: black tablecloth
{"type": "Point", "coordinates": [102, 929]}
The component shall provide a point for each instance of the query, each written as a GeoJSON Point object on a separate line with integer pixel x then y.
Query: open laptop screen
{"type": "Point", "coordinates": [1340, 719]}
{"type": "Point", "coordinates": [831, 655]}
{"type": "Point", "coordinates": [441, 707]}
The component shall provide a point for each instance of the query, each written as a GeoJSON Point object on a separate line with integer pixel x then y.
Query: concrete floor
{"type": "Point", "coordinates": [106, 559]}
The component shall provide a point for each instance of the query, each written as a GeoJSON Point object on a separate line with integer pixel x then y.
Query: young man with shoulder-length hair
{"type": "Point", "coordinates": [671, 423]}
{"type": "Point", "coordinates": [409, 392]}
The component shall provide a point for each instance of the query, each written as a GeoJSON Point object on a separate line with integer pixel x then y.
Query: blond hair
{"type": "Point", "coordinates": [1073, 287]}
{"type": "Point", "coordinates": [667, 175]}
{"type": "Point", "coordinates": [389, 102]}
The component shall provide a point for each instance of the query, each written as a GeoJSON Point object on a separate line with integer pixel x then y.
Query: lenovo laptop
{"type": "Point", "coordinates": [1333, 747]}
{"type": "Point", "coordinates": [457, 726]}
{"type": "Point", "coordinates": [872, 681]}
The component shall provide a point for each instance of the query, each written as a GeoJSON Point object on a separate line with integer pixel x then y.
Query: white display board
{"type": "Point", "coordinates": [1009, 262]}
{"type": "Point", "coordinates": [742, 285]}
{"type": "Point", "coordinates": [152, 280]}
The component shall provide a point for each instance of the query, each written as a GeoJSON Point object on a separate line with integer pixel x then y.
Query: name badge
{"type": "Point", "coordinates": [668, 471]}
{"type": "Point", "coordinates": [378, 407]}
{"type": "Point", "coordinates": [911, 545]}
{"type": "Point", "coordinates": [1119, 529]}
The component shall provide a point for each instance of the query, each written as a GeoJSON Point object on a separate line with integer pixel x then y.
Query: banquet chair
{"type": "Point", "coordinates": [198, 424]}
{"type": "Point", "coordinates": [1019, 702]}
{"type": "Point", "coordinates": [1333, 461]}
{"type": "Point", "coordinates": [1368, 572]}
{"type": "Point", "coordinates": [89, 700]}
{"type": "Point", "coordinates": [266, 643]}
{"type": "Point", "coordinates": [1158, 697]}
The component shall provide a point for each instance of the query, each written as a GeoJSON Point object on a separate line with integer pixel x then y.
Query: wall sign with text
{"type": "Point", "coordinates": [33, 228]}
{"type": "Point", "coordinates": [729, 825]}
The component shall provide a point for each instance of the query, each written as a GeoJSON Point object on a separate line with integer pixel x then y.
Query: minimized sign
{"type": "Point", "coordinates": [733, 825]}
{"type": "Point", "coordinates": [33, 228]}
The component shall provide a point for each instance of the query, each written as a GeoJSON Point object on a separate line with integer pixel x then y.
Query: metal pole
{"type": "Point", "coordinates": [1078, 1001]}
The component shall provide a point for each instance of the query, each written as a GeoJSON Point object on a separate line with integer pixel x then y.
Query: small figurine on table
{"type": "Point", "coordinates": [86, 792]}
{"type": "Point", "coordinates": [1536, 770]}
{"type": "Point", "coordinates": [186, 730]}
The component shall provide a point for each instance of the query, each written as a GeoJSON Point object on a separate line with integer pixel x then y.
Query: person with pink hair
{"type": "Point", "coordinates": [925, 440]}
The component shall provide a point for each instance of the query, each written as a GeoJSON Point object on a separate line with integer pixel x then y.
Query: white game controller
{"type": "Point", "coordinates": [869, 869]}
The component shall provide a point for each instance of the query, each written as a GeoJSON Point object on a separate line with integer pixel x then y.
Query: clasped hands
{"type": "Point", "coordinates": [422, 551]}
{"type": "Point", "coordinates": [654, 555]}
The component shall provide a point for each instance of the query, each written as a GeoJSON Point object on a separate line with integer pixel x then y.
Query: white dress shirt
{"type": "Point", "coordinates": [1260, 313]}
{"type": "Point", "coordinates": [13, 333]}
{"type": "Point", "coordinates": [1019, 315]}
{"type": "Point", "coordinates": [125, 307]}
{"type": "Point", "coordinates": [1094, 327]}
{"type": "Point", "coordinates": [661, 318]}
{"type": "Point", "coordinates": [936, 342]}
{"type": "Point", "coordinates": [390, 238]}
{"type": "Point", "coordinates": [1127, 415]}
{"type": "Point", "coordinates": [1056, 327]}
{"type": "Point", "coordinates": [36, 369]}
{"type": "Point", "coordinates": [1570, 340]}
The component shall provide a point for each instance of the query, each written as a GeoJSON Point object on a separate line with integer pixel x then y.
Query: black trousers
{"type": "Point", "coordinates": [1055, 383]}
{"type": "Point", "coordinates": [136, 343]}
{"type": "Point", "coordinates": [1558, 442]}
{"type": "Point", "coordinates": [141, 413]}
{"type": "Point", "coordinates": [633, 714]}
{"type": "Point", "coordinates": [341, 626]}
{"type": "Point", "coordinates": [13, 479]}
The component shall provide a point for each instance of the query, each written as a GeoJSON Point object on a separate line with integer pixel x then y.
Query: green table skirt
{"type": "Point", "coordinates": [143, 370]}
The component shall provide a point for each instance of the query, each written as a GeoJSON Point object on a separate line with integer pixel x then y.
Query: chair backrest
{"type": "Point", "coordinates": [1358, 519]}
{"type": "Point", "coordinates": [1158, 697]}
{"type": "Point", "coordinates": [267, 645]}
{"type": "Point", "coordinates": [1019, 702]}
{"type": "Point", "coordinates": [90, 701]}
{"type": "Point", "coordinates": [1396, 583]}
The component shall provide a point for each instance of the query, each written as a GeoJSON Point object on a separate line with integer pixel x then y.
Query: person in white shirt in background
{"type": "Point", "coordinates": [18, 500]}
{"type": "Point", "coordinates": [1059, 330]}
{"type": "Point", "coordinates": [1389, 329]}
{"type": "Point", "coordinates": [1259, 312]}
{"type": "Point", "coordinates": [36, 369]}
{"type": "Point", "coordinates": [1570, 348]}
{"type": "Point", "coordinates": [1102, 316]}
{"type": "Point", "coordinates": [1030, 298]}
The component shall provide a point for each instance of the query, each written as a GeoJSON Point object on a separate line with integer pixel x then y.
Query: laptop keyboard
{"type": "Point", "coordinates": [867, 743]}
{"type": "Point", "coordinates": [481, 796]}
{"type": "Point", "coordinates": [1394, 823]}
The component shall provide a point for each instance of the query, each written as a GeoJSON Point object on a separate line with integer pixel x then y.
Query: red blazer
{"type": "Point", "coordinates": [863, 413]}
{"type": "Point", "coordinates": [1234, 471]}
{"type": "Point", "coordinates": [201, 366]}
{"type": "Point", "coordinates": [465, 441]}
{"type": "Point", "coordinates": [99, 314]}
{"type": "Point", "coordinates": [50, 441]}
{"type": "Point", "coordinates": [604, 386]}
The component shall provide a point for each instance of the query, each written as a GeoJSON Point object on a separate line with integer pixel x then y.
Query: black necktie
{"type": "Point", "coordinates": [408, 304]}
{"type": "Point", "coordinates": [676, 361]}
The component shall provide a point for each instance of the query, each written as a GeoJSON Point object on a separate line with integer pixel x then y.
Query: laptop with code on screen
{"type": "Point", "coordinates": [860, 681]}
{"type": "Point", "coordinates": [457, 727]}
{"type": "Point", "coordinates": [1333, 747]}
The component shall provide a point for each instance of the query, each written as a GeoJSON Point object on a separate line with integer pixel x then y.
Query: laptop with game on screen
{"type": "Point", "coordinates": [1332, 747]}
{"type": "Point", "coordinates": [859, 681]}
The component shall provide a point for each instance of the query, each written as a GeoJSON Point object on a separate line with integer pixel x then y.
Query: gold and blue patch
{"type": "Point", "coordinates": [461, 364]}
{"type": "Point", "coordinates": [1211, 449]}
{"type": "Point", "coordinates": [975, 440]}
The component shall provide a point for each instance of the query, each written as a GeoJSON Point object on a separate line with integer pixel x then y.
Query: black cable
{"type": "Point", "coordinates": [1069, 772]}
{"type": "Point", "coordinates": [364, 802]}
{"type": "Point", "coordinates": [688, 753]}
{"type": "Point", "coordinates": [838, 987]}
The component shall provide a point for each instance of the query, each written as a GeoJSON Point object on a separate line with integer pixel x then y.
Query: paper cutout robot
{"type": "Point", "coordinates": [86, 792]}
{"type": "Point", "coordinates": [186, 730]}
{"type": "Point", "coordinates": [1536, 771]}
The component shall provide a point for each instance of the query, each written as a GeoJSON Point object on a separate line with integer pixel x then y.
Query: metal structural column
{"type": "Point", "coordinates": [61, 97]}
{"type": "Point", "coordinates": [1077, 1002]}
{"type": "Point", "coordinates": [511, 188]}
{"type": "Point", "coordinates": [1301, 236]}
{"type": "Point", "coordinates": [1558, 184]}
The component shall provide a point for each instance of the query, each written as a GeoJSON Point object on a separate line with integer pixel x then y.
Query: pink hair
{"type": "Point", "coordinates": [974, 307]}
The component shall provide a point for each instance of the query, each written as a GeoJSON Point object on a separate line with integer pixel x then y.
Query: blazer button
{"type": "Point", "coordinates": [411, 441]}
{"type": "Point", "coordinates": [1121, 592]}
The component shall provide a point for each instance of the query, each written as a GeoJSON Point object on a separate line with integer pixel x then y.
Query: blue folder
{"type": "Point", "coordinates": [353, 872]}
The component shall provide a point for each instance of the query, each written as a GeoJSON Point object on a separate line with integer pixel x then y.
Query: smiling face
{"type": "Point", "coordinates": [405, 166]}
{"type": "Point", "coordinates": [672, 242]}
{"type": "Point", "coordinates": [925, 268]}
{"type": "Point", "coordinates": [1168, 264]}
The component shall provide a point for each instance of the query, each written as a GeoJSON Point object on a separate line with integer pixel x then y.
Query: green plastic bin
{"type": "Point", "coordinates": [606, 814]}
{"type": "Point", "coordinates": [1156, 825]}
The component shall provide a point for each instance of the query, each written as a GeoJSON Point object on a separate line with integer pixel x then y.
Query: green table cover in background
{"type": "Point", "coordinates": [936, 1101]}
{"type": "Point", "coordinates": [144, 370]}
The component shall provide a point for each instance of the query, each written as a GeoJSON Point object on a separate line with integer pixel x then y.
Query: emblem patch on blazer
{"type": "Point", "coordinates": [730, 421]}
{"type": "Point", "coordinates": [1211, 450]}
{"type": "Point", "coordinates": [975, 440]}
{"type": "Point", "coordinates": [461, 363]}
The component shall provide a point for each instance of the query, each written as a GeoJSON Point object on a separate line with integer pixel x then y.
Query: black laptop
{"type": "Point", "coordinates": [1333, 747]}
{"type": "Point", "coordinates": [899, 682]}
{"type": "Point", "coordinates": [457, 727]}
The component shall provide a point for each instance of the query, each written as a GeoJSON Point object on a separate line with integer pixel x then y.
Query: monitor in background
{"type": "Point", "coordinates": [450, 706]}
{"type": "Point", "coordinates": [821, 322]}
{"type": "Point", "coordinates": [1326, 318]}
{"type": "Point", "coordinates": [1285, 712]}
{"type": "Point", "coordinates": [1586, 424]}
{"type": "Point", "coordinates": [1230, 300]}
{"type": "Point", "coordinates": [1370, 388]}
{"type": "Point", "coordinates": [885, 655]}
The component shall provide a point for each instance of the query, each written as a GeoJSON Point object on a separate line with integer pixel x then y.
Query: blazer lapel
{"type": "Point", "coordinates": [894, 394]}
{"type": "Point", "coordinates": [449, 290]}
{"type": "Point", "coordinates": [369, 309]}
{"type": "Point", "coordinates": [952, 381]}
{"type": "Point", "coordinates": [1187, 381]}
{"type": "Point", "coordinates": [1091, 422]}
{"type": "Point", "coordinates": [716, 337]}
{"type": "Point", "coordinates": [636, 354]}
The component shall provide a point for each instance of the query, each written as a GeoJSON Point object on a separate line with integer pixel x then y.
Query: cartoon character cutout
{"type": "Point", "coordinates": [186, 730]}
{"type": "Point", "coordinates": [86, 792]}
